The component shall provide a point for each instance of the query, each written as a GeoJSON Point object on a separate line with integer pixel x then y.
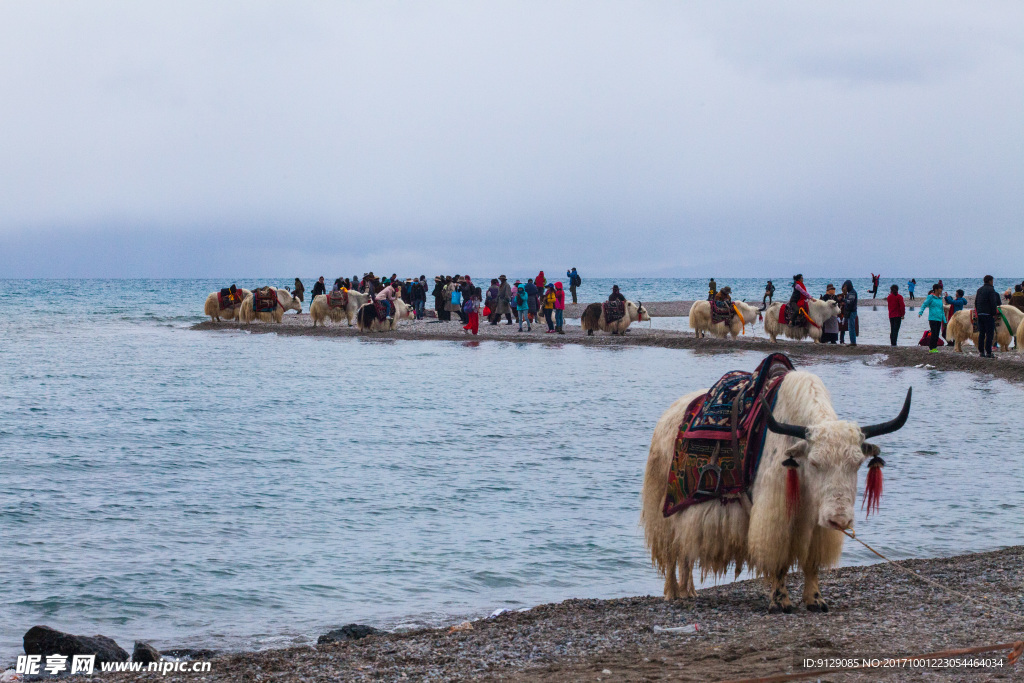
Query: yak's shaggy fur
{"type": "Point", "coordinates": [216, 313]}
{"type": "Point", "coordinates": [758, 532]}
{"type": "Point", "coordinates": [960, 328]}
{"type": "Point", "coordinates": [367, 317]}
{"type": "Point", "coordinates": [820, 312]}
{"type": "Point", "coordinates": [593, 318]}
{"type": "Point", "coordinates": [700, 320]}
{"type": "Point", "coordinates": [286, 303]}
{"type": "Point", "coordinates": [319, 311]}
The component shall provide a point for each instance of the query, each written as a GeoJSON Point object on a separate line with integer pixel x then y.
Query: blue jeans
{"type": "Point", "coordinates": [559, 318]}
{"type": "Point", "coordinates": [851, 326]}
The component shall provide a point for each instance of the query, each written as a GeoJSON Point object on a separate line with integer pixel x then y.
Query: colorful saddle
{"type": "Point", "coordinates": [721, 311]}
{"type": "Point", "coordinates": [264, 300]}
{"type": "Point", "coordinates": [226, 299]}
{"type": "Point", "coordinates": [337, 299]}
{"type": "Point", "coordinates": [719, 443]}
{"type": "Point", "coordinates": [614, 311]}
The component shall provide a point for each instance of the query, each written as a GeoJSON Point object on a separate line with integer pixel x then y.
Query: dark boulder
{"type": "Point", "coordinates": [43, 640]}
{"type": "Point", "coordinates": [144, 652]}
{"type": "Point", "coordinates": [347, 632]}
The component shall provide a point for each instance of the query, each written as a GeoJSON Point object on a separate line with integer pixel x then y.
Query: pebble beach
{"type": "Point", "coordinates": [877, 612]}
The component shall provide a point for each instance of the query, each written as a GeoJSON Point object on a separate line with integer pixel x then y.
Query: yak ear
{"type": "Point", "coordinates": [869, 450]}
{"type": "Point", "coordinates": [798, 450]}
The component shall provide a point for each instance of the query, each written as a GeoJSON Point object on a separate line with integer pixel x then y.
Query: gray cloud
{"type": "Point", "coordinates": [628, 138]}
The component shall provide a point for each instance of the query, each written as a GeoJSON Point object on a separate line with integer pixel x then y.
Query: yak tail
{"type": "Point", "coordinates": [591, 317]}
{"type": "Point", "coordinates": [212, 306]}
{"type": "Point", "coordinates": [365, 317]}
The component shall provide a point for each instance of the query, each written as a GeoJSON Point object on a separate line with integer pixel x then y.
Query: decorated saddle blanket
{"type": "Point", "coordinates": [225, 299]}
{"type": "Point", "coordinates": [790, 315]}
{"type": "Point", "coordinates": [795, 316]}
{"type": "Point", "coordinates": [719, 443]}
{"type": "Point", "coordinates": [721, 311]}
{"type": "Point", "coordinates": [614, 311]}
{"type": "Point", "coordinates": [264, 300]}
{"type": "Point", "coordinates": [380, 309]}
{"type": "Point", "coordinates": [337, 299]}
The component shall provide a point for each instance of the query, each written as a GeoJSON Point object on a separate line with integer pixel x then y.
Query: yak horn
{"type": "Point", "coordinates": [891, 425]}
{"type": "Point", "coordinates": [781, 427]}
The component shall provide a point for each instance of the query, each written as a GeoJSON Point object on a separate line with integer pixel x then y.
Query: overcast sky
{"type": "Point", "coordinates": [209, 139]}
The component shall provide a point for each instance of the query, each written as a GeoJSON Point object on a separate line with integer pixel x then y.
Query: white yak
{"type": "Point", "coordinates": [320, 309]}
{"type": "Point", "coordinates": [820, 312]}
{"type": "Point", "coordinates": [1020, 336]}
{"type": "Point", "coordinates": [216, 313]}
{"type": "Point", "coordinates": [366, 317]}
{"type": "Point", "coordinates": [285, 302]}
{"type": "Point", "coordinates": [762, 534]}
{"type": "Point", "coordinates": [960, 328]}
{"type": "Point", "coordinates": [593, 318]}
{"type": "Point", "coordinates": [700, 319]}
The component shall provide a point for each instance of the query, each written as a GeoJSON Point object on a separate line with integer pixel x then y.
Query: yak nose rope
{"type": "Point", "coordinates": [935, 584]}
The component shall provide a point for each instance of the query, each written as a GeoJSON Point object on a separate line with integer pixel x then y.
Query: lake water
{"type": "Point", "coordinates": [242, 491]}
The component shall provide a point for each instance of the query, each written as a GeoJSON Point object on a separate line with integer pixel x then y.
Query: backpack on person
{"type": "Point", "coordinates": [576, 280]}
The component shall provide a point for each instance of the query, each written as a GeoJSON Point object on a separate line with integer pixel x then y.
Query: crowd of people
{"type": "Point", "coordinates": [458, 297]}
{"type": "Point", "coordinates": [835, 328]}
{"type": "Point", "coordinates": [525, 303]}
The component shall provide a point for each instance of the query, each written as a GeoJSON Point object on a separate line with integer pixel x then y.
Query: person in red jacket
{"type": "Point", "coordinates": [897, 309]}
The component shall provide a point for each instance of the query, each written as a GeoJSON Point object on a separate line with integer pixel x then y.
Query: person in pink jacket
{"type": "Point", "coordinates": [559, 308]}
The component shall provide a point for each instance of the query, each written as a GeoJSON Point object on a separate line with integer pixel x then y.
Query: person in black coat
{"type": "Point", "coordinates": [319, 287]}
{"type": "Point", "coordinates": [439, 302]}
{"type": "Point", "coordinates": [986, 303]}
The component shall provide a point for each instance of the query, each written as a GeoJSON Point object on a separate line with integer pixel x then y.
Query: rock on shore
{"type": "Point", "coordinates": [43, 640]}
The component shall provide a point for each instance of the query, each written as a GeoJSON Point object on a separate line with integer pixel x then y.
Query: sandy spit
{"type": "Point", "coordinates": [876, 611]}
{"type": "Point", "coordinates": [1008, 365]}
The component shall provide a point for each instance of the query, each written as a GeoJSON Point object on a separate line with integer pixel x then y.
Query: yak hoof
{"type": "Point", "coordinates": [776, 609]}
{"type": "Point", "coordinates": [590, 333]}
{"type": "Point", "coordinates": [819, 606]}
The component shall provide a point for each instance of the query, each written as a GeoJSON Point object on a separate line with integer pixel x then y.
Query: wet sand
{"type": "Point", "coordinates": [875, 611]}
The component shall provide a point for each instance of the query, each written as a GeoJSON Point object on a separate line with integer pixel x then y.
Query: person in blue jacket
{"type": "Point", "coordinates": [574, 281]}
{"type": "Point", "coordinates": [936, 315]}
{"type": "Point", "coordinates": [522, 302]}
{"type": "Point", "coordinates": [955, 306]}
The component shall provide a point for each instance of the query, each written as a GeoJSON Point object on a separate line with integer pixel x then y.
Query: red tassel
{"type": "Point", "coordinates": [792, 491]}
{"type": "Point", "coordinates": [873, 490]}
